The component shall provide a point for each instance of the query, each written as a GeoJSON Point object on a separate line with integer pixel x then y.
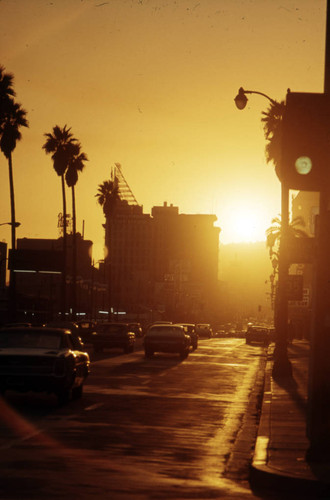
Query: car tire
{"type": "Point", "coordinates": [149, 354]}
{"type": "Point", "coordinates": [195, 345]}
{"type": "Point", "coordinates": [184, 354]}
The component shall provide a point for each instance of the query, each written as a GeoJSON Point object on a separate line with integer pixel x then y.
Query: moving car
{"type": "Point", "coordinates": [204, 330]}
{"type": "Point", "coordinates": [166, 338]}
{"type": "Point", "coordinates": [190, 330]}
{"type": "Point", "coordinates": [86, 329]}
{"type": "Point", "coordinates": [42, 359]}
{"type": "Point", "coordinates": [258, 334]}
{"type": "Point", "coordinates": [114, 336]}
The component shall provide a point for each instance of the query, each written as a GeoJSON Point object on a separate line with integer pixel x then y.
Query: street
{"type": "Point", "coordinates": [145, 428]}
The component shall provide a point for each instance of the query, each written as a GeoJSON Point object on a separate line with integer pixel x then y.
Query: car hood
{"type": "Point", "coordinates": [11, 351]}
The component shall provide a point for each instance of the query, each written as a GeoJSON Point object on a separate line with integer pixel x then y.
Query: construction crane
{"type": "Point", "coordinates": [125, 192]}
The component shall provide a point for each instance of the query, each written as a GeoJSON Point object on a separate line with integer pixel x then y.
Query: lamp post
{"type": "Point", "coordinates": [282, 365]}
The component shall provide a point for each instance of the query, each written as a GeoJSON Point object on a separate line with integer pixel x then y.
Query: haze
{"type": "Point", "coordinates": [150, 84]}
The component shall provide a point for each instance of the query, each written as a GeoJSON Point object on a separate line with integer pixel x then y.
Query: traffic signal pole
{"type": "Point", "coordinates": [318, 416]}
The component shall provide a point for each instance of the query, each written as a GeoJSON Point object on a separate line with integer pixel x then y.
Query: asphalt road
{"type": "Point", "coordinates": [157, 428]}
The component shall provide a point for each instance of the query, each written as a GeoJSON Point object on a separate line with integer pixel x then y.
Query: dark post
{"type": "Point", "coordinates": [318, 420]}
{"type": "Point", "coordinates": [282, 365]}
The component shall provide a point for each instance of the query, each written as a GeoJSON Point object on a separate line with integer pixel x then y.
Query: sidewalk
{"type": "Point", "coordinates": [279, 457]}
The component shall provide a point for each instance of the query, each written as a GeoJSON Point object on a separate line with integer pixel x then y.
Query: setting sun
{"type": "Point", "coordinates": [244, 224]}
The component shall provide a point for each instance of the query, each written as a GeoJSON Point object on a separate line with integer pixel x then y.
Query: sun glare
{"type": "Point", "coordinates": [243, 225]}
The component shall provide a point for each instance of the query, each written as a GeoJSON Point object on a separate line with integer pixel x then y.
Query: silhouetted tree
{"type": "Point", "coordinates": [76, 164]}
{"type": "Point", "coordinates": [273, 237]}
{"type": "Point", "coordinates": [107, 196]}
{"type": "Point", "coordinates": [12, 117]}
{"type": "Point", "coordinates": [61, 143]}
{"type": "Point", "coordinates": [272, 119]}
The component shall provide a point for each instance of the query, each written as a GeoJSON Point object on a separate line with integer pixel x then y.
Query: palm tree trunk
{"type": "Point", "coordinates": [12, 276]}
{"type": "Point", "coordinates": [63, 286]}
{"type": "Point", "coordinates": [74, 257]}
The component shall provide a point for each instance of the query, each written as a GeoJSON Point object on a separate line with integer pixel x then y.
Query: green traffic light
{"type": "Point", "coordinates": [303, 165]}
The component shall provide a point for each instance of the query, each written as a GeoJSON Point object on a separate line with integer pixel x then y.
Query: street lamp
{"type": "Point", "coordinates": [282, 366]}
{"type": "Point", "coordinates": [241, 99]}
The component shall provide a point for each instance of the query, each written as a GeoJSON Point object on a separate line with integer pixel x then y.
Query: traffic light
{"type": "Point", "coordinates": [305, 163]}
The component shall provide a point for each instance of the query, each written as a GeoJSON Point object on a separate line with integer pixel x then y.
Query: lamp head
{"type": "Point", "coordinates": [241, 99]}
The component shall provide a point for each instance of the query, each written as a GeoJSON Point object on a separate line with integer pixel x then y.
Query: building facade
{"type": "Point", "coordinates": [164, 265]}
{"type": "Point", "coordinates": [38, 267]}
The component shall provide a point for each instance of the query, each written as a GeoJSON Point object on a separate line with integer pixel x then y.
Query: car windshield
{"type": "Point", "coordinates": [30, 339]}
{"type": "Point", "coordinates": [168, 330]}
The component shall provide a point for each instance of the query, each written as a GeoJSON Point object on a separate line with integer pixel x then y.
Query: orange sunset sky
{"type": "Point", "coordinates": [150, 84]}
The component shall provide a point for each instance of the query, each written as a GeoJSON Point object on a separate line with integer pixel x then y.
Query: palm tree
{"type": "Point", "coordinates": [61, 143]}
{"type": "Point", "coordinates": [273, 238]}
{"type": "Point", "coordinates": [6, 90]}
{"type": "Point", "coordinates": [76, 164]}
{"type": "Point", "coordinates": [12, 117]}
{"type": "Point", "coordinates": [108, 196]}
{"type": "Point", "coordinates": [274, 232]}
{"type": "Point", "coordinates": [272, 119]}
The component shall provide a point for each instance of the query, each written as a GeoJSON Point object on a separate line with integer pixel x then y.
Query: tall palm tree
{"type": "Point", "coordinates": [12, 117]}
{"type": "Point", "coordinates": [76, 164]}
{"type": "Point", "coordinates": [60, 143]}
{"type": "Point", "coordinates": [108, 196]}
{"type": "Point", "coordinates": [6, 90]}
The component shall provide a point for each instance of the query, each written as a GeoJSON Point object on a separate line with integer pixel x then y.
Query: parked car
{"type": "Point", "coordinates": [190, 330]}
{"type": "Point", "coordinates": [42, 359]}
{"type": "Point", "coordinates": [74, 329]}
{"type": "Point", "coordinates": [204, 330]}
{"type": "Point", "coordinates": [114, 336]}
{"type": "Point", "coordinates": [166, 338]}
{"type": "Point", "coordinates": [258, 334]}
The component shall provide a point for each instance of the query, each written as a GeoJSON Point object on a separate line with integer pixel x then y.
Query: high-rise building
{"type": "Point", "coordinates": [165, 263]}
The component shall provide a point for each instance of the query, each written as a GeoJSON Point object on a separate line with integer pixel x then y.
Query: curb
{"type": "Point", "coordinates": [264, 477]}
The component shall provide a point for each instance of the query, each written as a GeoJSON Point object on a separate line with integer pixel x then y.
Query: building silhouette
{"type": "Point", "coordinates": [162, 265]}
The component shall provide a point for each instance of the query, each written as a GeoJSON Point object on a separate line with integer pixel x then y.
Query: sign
{"type": "Point", "coordinates": [36, 260]}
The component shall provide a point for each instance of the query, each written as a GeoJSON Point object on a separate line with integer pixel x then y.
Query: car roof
{"type": "Point", "coordinates": [32, 329]}
{"type": "Point", "coordinates": [163, 326]}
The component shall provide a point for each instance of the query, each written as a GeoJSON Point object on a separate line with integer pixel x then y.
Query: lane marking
{"type": "Point", "coordinates": [93, 407]}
